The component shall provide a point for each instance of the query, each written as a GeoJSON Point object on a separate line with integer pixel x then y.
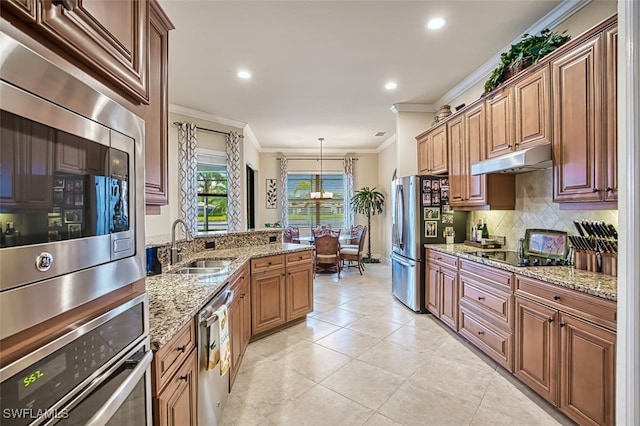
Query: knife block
{"type": "Point", "coordinates": [610, 264]}
{"type": "Point", "coordinates": [588, 261]}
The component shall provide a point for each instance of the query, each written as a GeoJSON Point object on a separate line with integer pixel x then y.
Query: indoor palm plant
{"type": "Point", "coordinates": [526, 52]}
{"type": "Point", "coordinates": [368, 202]}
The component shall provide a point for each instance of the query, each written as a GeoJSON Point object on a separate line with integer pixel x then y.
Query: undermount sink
{"type": "Point", "coordinates": [205, 267]}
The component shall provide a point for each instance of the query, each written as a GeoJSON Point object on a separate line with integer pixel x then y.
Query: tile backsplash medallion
{"type": "Point", "coordinates": [534, 209]}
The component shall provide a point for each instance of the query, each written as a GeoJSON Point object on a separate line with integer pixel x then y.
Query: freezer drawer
{"type": "Point", "coordinates": [407, 282]}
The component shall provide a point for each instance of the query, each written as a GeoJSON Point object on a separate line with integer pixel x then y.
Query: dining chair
{"type": "Point", "coordinates": [327, 252]}
{"type": "Point", "coordinates": [291, 234]}
{"type": "Point", "coordinates": [354, 252]}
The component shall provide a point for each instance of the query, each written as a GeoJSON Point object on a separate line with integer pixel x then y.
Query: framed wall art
{"type": "Point", "coordinates": [272, 193]}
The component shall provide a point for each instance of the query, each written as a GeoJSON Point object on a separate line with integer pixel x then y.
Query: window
{"type": "Point", "coordinates": [212, 194]}
{"type": "Point", "coordinates": [305, 212]}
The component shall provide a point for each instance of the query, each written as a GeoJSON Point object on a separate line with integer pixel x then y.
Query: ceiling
{"type": "Point", "coordinates": [319, 67]}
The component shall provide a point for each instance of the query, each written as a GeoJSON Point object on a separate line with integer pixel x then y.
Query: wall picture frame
{"type": "Point", "coordinates": [272, 194]}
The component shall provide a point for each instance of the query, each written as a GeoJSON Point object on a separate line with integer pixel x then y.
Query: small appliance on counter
{"type": "Point", "coordinates": [420, 214]}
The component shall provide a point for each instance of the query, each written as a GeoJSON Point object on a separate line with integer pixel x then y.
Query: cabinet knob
{"type": "Point", "coordinates": [556, 297]}
{"type": "Point", "coordinates": [269, 263]}
{"type": "Point", "coordinates": [439, 258]}
{"type": "Point", "coordinates": [562, 324]}
{"type": "Point", "coordinates": [67, 4]}
{"type": "Point", "coordinates": [595, 190]}
{"type": "Point", "coordinates": [550, 319]}
{"type": "Point", "coordinates": [182, 348]}
{"type": "Point", "coordinates": [185, 377]}
{"type": "Point", "coordinates": [480, 297]}
{"type": "Point", "coordinates": [480, 333]}
{"type": "Point", "coordinates": [608, 189]}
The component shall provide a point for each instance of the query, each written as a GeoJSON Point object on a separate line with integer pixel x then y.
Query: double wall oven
{"type": "Point", "coordinates": [71, 203]}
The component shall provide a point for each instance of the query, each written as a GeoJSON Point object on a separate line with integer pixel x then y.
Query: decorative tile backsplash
{"type": "Point", "coordinates": [534, 209]}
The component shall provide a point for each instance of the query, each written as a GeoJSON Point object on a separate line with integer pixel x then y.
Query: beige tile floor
{"type": "Point", "coordinates": [361, 358]}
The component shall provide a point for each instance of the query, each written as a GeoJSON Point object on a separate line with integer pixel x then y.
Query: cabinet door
{"type": "Point", "coordinates": [577, 117]}
{"type": "Point", "coordinates": [299, 291]}
{"type": "Point", "coordinates": [587, 365]}
{"type": "Point", "coordinates": [268, 307]}
{"type": "Point", "coordinates": [176, 404]}
{"type": "Point", "coordinates": [499, 123]}
{"type": "Point", "coordinates": [536, 351]}
{"type": "Point", "coordinates": [476, 186]}
{"type": "Point", "coordinates": [432, 296]}
{"type": "Point", "coordinates": [457, 165]}
{"type": "Point", "coordinates": [110, 36]}
{"type": "Point", "coordinates": [438, 151]}
{"type": "Point", "coordinates": [449, 285]}
{"type": "Point", "coordinates": [424, 143]}
{"type": "Point", "coordinates": [611, 105]}
{"type": "Point", "coordinates": [235, 324]}
{"type": "Point", "coordinates": [532, 110]}
{"type": "Point", "coordinates": [245, 300]}
{"type": "Point", "coordinates": [157, 114]}
{"type": "Point", "coordinates": [26, 9]}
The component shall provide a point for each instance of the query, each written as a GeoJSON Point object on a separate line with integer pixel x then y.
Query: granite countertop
{"type": "Point", "coordinates": [174, 299]}
{"type": "Point", "coordinates": [596, 284]}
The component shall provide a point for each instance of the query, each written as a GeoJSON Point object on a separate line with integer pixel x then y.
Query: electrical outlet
{"type": "Point", "coordinates": [210, 245]}
{"type": "Point", "coordinates": [273, 239]}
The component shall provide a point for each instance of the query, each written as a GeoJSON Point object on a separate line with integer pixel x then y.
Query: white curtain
{"type": "Point", "coordinates": [187, 179]}
{"type": "Point", "coordinates": [284, 200]}
{"type": "Point", "coordinates": [234, 219]}
{"type": "Point", "coordinates": [349, 215]}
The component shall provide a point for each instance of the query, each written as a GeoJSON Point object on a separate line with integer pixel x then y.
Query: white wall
{"type": "Point", "coordinates": [408, 126]}
{"type": "Point", "coordinates": [387, 165]}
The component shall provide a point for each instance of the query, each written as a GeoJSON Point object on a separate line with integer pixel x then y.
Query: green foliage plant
{"type": "Point", "coordinates": [368, 202]}
{"type": "Point", "coordinates": [523, 54]}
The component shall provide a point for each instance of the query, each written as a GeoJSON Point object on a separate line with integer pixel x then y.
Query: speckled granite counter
{"type": "Point", "coordinates": [600, 285]}
{"type": "Point", "coordinates": [174, 299]}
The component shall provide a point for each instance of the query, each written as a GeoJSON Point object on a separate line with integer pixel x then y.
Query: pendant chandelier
{"type": "Point", "coordinates": [321, 195]}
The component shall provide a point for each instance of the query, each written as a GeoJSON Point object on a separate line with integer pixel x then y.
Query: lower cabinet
{"type": "Point", "coordinates": [239, 321]}
{"type": "Point", "coordinates": [566, 359]}
{"type": "Point", "coordinates": [174, 380]}
{"type": "Point", "coordinates": [281, 290]}
{"type": "Point", "coordinates": [442, 287]}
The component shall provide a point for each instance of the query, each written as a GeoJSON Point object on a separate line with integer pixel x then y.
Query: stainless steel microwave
{"type": "Point", "coordinates": [71, 191]}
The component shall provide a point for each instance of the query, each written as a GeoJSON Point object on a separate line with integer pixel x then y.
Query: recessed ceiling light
{"type": "Point", "coordinates": [435, 23]}
{"type": "Point", "coordinates": [245, 75]}
{"type": "Point", "coordinates": [391, 85]}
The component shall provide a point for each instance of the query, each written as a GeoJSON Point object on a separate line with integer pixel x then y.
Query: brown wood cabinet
{"type": "Point", "coordinates": [281, 290]}
{"type": "Point", "coordinates": [173, 381]}
{"type": "Point", "coordinates": [499, 117]}
{"type": "Point", "coordinates": [176, 404]}
{"type": "Point", "coordinates": [26, 167]}
{"type": "Point", "coordinates": [567, 359]}
{"type": "Point", "coordinates": [433, 151]}
{"type": "Point", "coordinates": [110, 37]}
{"type": "Point", "coordinates": [466, 147]}
{"type": "Point", "coordinates": [532, 109]}
{"type": "Point", "coordinates": [239, 320]}
{"type": "Point", "coordinates": [156, 116]}
{"type": "Point", "coordinates": [441, 298]}
{"type": "Point", "coordinates": [585, 122]}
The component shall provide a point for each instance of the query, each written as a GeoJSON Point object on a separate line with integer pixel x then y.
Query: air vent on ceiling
{"type": "Point", "coordinates": [380, 133]}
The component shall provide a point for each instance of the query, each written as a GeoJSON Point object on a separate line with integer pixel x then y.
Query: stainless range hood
{"type": "Point", "coordinates": [525, 160]}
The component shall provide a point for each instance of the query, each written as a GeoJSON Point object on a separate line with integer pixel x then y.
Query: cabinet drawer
{"type": "Point", "coordinates": [591, 308]}
{"type": "Point", "coordinates": [489, 275]}
{"type": "Point", "coordinates": [238, 279]}
{"type": "Point", "coordinates": [442, 259]}
{"type": "Point", "coordinates": [489, 301]}
{"type": "Point", "coordinates": [267, 263]}
{"type": "Point", "coordinates": [169, 358]}
{"type": "Point", "coordinates": [299, 257]}
{"type": "Point", "coordinates": [494, 342]}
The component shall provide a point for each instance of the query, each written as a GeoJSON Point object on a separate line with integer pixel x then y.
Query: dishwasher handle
{"type": "Point", "coordinates": [209, 316]}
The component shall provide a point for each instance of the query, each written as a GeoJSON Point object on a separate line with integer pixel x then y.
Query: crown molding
{"type": "Point", "coordinates": [387, 143]}
{"type": "Point", "coordinates": [402, 107]}
{"type": "Point", "coordinates": [179, 109]}
{"type": "Point", "coordinates": [551, 20]}
{"type": "Point", "coordinates": [247, 132]}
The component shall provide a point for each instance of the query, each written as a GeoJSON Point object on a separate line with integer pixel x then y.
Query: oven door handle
{"type": "Point", "coordinates": [104, 413]}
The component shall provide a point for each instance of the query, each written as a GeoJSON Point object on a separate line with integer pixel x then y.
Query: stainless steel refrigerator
{"type": "Point", "coordinates": [420, 214]}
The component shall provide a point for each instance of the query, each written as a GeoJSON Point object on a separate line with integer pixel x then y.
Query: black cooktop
{"type": "Point", "coordinates": [512, 258]}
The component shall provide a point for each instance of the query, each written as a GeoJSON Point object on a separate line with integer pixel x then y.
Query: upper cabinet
{"type": "Point", "coordinates": [584, 99]}
{"type": "Point", "coordinates": [108, 36]}
{"type": "Point", "coordinates": [532, 112]}
{"type": "Point", "coordinates": [500, 129]}
{"type": "Point", "coordinates": [157, 114]}
{"type": "Point", "coordinates": [433, 151]}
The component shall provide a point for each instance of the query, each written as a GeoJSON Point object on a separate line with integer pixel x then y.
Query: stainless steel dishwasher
{"type": "Point", "coordinates": [213, 387]}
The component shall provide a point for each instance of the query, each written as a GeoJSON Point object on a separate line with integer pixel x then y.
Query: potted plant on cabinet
{"type": "Point", "coordinates": [368, 202]}
{"type": "Point", "coordinates": [526, 52]}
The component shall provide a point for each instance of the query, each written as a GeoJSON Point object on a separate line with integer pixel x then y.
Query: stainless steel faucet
{"type": "Point", "coordinates": [176, 253]}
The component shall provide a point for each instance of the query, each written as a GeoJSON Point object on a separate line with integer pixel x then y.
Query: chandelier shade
{"type": "Point", "coordinates": [321, 194]}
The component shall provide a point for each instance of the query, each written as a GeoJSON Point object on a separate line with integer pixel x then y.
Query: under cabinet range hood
{"type": "Point", "coordinates": [525, 160]}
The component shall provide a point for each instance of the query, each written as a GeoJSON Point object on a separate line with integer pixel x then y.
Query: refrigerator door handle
{"type": "Point", "coordinates": [400, 216]}
{"type": "Point", "coordinates": [402, 262]}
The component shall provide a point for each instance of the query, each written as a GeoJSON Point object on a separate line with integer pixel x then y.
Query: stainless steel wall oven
{"type": "Point", "coordinates": [71, 191]}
